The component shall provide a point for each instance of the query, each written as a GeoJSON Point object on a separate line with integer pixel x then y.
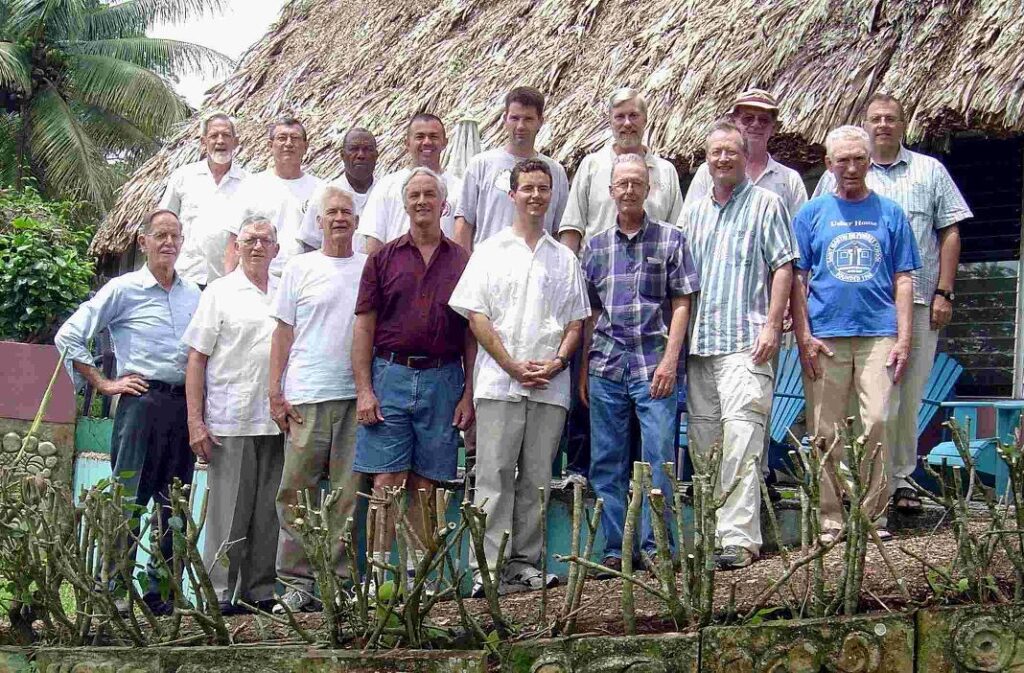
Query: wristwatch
{"type": "Point", "coordinates": [564, 361]}
{"type": "Point", "coordinates": [948, 295]}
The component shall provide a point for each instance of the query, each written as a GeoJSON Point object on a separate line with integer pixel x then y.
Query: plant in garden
{"type": "Point", "coordinates": [81, 85]}
{"type": "Point", "coordinates": [45, 271]}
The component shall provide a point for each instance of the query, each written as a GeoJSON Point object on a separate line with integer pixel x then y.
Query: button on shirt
{"type": "Point", "coordinates": [485, 202]}
{"type": "Point", "coordinates": [232, 326]}
{"type": "Point", "coordinates": [384, 217]}
{"type": "Point", "coordinates": [631, 280]}
{"type": "Point", "coordinates": [530, 296]}
{"type": "Point", "coordinates": [735, 246]}
{"type": "Point", "coordinates": [411, 298]}
{"type": "Point", "coordinates": [591, 210]}
{"type": "Point", "coordinates": [310, 232]}
{"type": "Point", "coordinates": [922, 186]}
{"type": "Point", "coordinates": [776, 178]}
{"type": "Point", "coordinates": [146, 324]}
{"type": "Point", "coordinates": [201, 204]}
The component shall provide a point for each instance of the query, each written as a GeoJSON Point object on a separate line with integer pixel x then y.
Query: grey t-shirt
{"type": "Point", "coordinates": [485, 202]}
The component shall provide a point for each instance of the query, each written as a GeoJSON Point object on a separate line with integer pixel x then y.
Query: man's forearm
{"type": "Point", "coordinates": [904, 305]}
{"type": "Point", "coordinates": [362, 350]}
{"type": "Point", "coordinates": [280, 350]}
{"type": "Point", "coordinates": [464, 233]}
{"type": "Point", "coordinates": [468, 362]}
{"type": "Point", "coordinates": [949, 256]}
{"type": "Point", "coordinates": [571, 338]}
{"type": "Point", "coordinates": [782, 283]}
{"type": "Point", "coordinates": [798, 306]}
{"type": "Point", "coordinates": [195, 385]}
{"type": "Point", "coordinates": [571, 239]}
{"type": "Point", "coordinates": [677, 327]}
{"type": "Point", "coordinates": [485, 334]}
{"type": "Point", "coordinates": [93, 376]}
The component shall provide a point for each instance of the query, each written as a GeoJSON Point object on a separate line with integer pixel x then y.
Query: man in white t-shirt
{"type": "Point", "coordinates": [384, 218]}
{"type": "Point", "coordinates": [359, 156]}
{"type": "Point", "coordinates": [229, 425]}
{"type": "Point", "coordinates": [199, 193]}
{"type": "Point", "coordinates": [281, 193]}
{"type": "Point", "coordinates": [486, 207]}
{"type": "Point", "coordinates": [316, 407]}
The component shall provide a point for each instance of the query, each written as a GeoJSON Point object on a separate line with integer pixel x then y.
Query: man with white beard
{"type": "Point", "coordinates": [198, 193]}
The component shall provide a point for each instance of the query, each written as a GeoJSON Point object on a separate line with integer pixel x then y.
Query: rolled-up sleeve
{"type": "Point", "coordinates": [91, 318]}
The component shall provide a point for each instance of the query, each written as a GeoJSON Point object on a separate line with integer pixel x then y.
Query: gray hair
{"type": "Point", "coordinates": [630, 158]}
{"type": "Point", "coordinates": [252, 220]}
{"type": "Point", "coordinates": [847, 132]}
{"type": "Point", "coordinates": [626, 94]}
{"type": "Point", "coordinates": [219, 117]}
{"type": "Point", "coordinates": [726, 125]}
{"type": "Point", "coordinates": [286, 120]}
{"type": "Point", "coordinates": [147, 221]}
{"type": "Point", "coordinates": [335, 190]}
{"type": "Point", "coordinates": [423, 170]}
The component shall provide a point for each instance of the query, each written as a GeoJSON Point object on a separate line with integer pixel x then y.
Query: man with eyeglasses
{"type": "Point", "coordinates": [630, 359]}
{"type": "Point", "coordinates": [922, 186]}
{"type": "Point", "coordinates": [281, 193]}
{"type": "Point", "coordinates": [312, 389]}
{"type": "Point", "coordinates": [229, 424]}
{"type": "Point", "coordinates": [744, 250]}
{"type": "Point", "coordinates": [524, 296]}
{"type": "Point", "coordinates": [146, 312]}
{"type": "Point", "coordinates": [756, 113]}
{"type": "Point", "coordinates": [200, 194]}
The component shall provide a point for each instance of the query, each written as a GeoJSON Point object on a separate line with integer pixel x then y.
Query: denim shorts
{"type": "Point", "coordinates": [417, 432]}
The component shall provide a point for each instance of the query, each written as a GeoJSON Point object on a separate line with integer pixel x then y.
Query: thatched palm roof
{"type": "Point", "coordinates": [954, 63]}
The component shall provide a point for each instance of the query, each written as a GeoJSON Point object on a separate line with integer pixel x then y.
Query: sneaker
{"type": "Point", "coordinates": [158, 606]}
{"type": "Point", "coordinates": [229, 609]}
{"type": "Point", "coordinates": [526, 579]}
{"type": "Point", "coordinates": [295, 600]}
{"type": "Point", "coordinates": [478, 586]}
{"type": "Point", "coordinates": [734, 557]}
{"type": "Point", "coordinates": [609, 562]}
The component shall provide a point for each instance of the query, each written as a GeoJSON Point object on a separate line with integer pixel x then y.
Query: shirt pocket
{"type": "Point", "coordinates": [652, 278]}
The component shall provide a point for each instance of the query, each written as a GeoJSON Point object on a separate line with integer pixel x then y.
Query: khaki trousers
{"type": "Point", "coordinates": [857, 369]}
{"type": "Point", "coordinates": [243, 477]}
{"type": "Point", "coordinates": [323, 446]}
{"type": "Point", "coordinates": [923, 342]}
{"type": "Point", "coordinates": [729, 399]}
{"type": "Point", "coordinates": [516, 443]}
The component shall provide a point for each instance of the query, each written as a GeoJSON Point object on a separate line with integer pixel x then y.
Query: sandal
{"type": "Point", "coordinates": [905, 499]}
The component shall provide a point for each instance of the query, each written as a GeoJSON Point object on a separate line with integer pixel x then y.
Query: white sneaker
{"type": "Point", "coordinates": [527, 578]}
{"type": "Point", "coordinates": [298, 601]}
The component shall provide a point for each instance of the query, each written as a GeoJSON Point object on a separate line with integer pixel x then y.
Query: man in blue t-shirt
{"type": "Point", "coordinates": [852, 300]}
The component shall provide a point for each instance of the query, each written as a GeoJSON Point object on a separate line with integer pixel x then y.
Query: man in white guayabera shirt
{"type": "Point", "coordinates": [312, 392]}
{"type": "Point", "coordinates": [229, 424]}
{"type": "Point", "coordinates": [384, 218]}
{"type": "Point", "coordinates": [524, 296]}
{"type": "Point", "coordinates": [200, 194]}
{"type": "Point", "coordinates": [281, 193]}
{"type": "Point", "coordinates": [359, 156]}
{"type": "Point", "coordinates": [485, 207]}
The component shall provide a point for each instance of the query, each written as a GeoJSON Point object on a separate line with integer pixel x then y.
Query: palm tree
{"type": "Point", "coordinates": [82, 88]}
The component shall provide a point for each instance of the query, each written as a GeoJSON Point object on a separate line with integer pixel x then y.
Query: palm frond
{"type": "Point", "coordinates": [62, 150]}
{"type": "Point", "coordinates": [114, 134]}
{"type": "Point", "coordinates": [53, 19]}
{"type": "Point", "coordinates": [130, 91]}
{"type": "Point", "coordinates": [132, 18]}
{"type": "Point", "coordinates": [14, 68]}
{"type": "Point", "coordinates": [165, 56]}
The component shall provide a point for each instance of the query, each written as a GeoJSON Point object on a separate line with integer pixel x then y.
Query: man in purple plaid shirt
{"type": "Point", "coordinates": [634, 271]}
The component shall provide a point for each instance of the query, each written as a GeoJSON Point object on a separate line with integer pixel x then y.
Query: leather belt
{"type": "Point", "coordinates": [412, 361]}
{"type": "Point", "coordinates": [166, 387]}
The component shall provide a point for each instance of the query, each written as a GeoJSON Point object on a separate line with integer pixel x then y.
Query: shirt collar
{"type": "Point", "coordinates": [638, 235]}
{"type": "Point", "coordinates": [406, 239]}
{"type": "Point", "coordinates": [649, 155]}
{"type": "Point", "coordinates": [234, 171]}
{"type": "Point", "coordinates": [902, 158]}
{"type": "Point", "coordinates": [148, 280]}
{"type": "Point", "coordinates": [739, 191]}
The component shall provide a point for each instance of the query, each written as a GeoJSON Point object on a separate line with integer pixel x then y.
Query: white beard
{"type": "Point", "coordinates": [221, 157]}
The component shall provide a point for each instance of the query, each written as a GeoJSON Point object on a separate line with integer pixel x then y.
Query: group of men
{"type": "Point", "coordinates": [287, 330]}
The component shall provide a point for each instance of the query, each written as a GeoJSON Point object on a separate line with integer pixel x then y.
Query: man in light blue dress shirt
{"type": "Point", "coordinates": [146, 312]}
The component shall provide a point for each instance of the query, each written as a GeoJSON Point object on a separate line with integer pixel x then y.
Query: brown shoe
{"type": "Point", "coordinates": [611, 563]}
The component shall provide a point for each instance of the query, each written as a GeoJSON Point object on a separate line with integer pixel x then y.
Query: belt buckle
{"type": "Point", "coordinates": [413, 358]}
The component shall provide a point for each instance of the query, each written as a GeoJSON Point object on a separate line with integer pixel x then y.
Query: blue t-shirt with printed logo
{"type": "Point", "coordinates": [852, 251]}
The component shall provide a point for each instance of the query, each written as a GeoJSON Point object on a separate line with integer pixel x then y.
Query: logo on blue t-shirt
{"type": "Point", "coordinates": [854, 257]}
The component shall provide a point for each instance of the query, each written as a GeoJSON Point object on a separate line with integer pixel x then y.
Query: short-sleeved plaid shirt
{"type": "Point", "coordinates": [631, 280]}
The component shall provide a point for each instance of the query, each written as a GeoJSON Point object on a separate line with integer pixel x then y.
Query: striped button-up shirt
{"type": "Point", "coordinates": [631, 279]}
{"type": "Point", "coordinates": [735, 247]}
{"type": "Point", "coordinates": [775, 177]}
{"type": "Point", "coordinates": [926, 192]}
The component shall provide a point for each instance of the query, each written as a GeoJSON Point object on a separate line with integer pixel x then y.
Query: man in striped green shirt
{"type": "Point", "coordinates": [924, 189]}
{"type": "Point", "coordinates": [743, 249]}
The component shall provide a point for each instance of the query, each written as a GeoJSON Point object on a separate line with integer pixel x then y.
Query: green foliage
{"type": "Point", "coordinates": [85, 96]}
{"type": "Point", "coordinates": [45, 270]}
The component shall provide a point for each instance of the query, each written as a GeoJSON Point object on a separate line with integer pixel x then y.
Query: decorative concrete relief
{"type": "Point", "coordinates": [38, 458]}
{"type": "Point", "coordinates": [670, 653]}
{"type": "Point", "coordinates": [986, 639]}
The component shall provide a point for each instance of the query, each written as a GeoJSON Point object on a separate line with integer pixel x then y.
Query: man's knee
{"type": "Point", "coordinates": [389, 480]}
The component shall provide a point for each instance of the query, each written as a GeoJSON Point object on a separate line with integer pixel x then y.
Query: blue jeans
{"type": "Point", "coordinates": [611, 403]}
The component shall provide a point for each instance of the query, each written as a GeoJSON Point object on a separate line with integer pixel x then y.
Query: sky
{"type": "Point", "coordinates": [231, 33]}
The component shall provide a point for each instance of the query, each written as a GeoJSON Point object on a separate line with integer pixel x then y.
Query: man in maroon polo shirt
{"type": "Point", "coordinates": [412, 357]}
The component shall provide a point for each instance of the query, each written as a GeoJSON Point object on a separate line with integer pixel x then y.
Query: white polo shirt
{"type": "Point", "coordinates": [384, 217]}
{"type": "Point", "coordinates": [310, 232]}
{"type": "Point", "coordinates": [591, 209]}
{"type": "Point", "coordinates": [530, 296]}
{"type": "Point", "coordinates": [232, 326]}
{"type": "Point", "coordinates": [283, 202]}
{"type": "Point", "coordinates": [201, 204]}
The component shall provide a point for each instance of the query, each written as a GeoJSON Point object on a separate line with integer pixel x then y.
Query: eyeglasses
{"type": "Point", "coordinates": [257, 240]}
{"type": "Point", "coordinates": [636, 185]}
{"type": "Point", "coordinates": [884, 119]}
{"type": "Point", "coordinates": [283, 138]}
{"type": "Point", "coordinates": [533, 189]}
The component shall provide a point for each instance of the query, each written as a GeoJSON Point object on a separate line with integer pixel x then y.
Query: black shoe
{"type": "Point", "coordinates": [229, 609]}
{"type": "Point", "coordinates": [266, 605]}
{"type": "Point", "coordinates": [158, 606]}
{"type": "Point", "coordinates": [609, 562]}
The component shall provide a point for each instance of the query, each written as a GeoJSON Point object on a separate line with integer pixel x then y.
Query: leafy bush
{"type": "Point", "coordinates": [45, 269]}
